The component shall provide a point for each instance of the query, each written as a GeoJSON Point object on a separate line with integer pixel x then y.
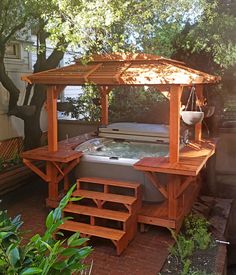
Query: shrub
{"type": "Point", "coordinates": [41, 254]}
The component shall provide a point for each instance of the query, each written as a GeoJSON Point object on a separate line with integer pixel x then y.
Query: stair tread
{"type": "Point", "coordinates": [93, 230]}
{"type": "Point", "coordinates": [96, 212]}
{"type": "Point", "coordinates": [104, 196]}
{"type": "Point", "coordinates": [111, 182]}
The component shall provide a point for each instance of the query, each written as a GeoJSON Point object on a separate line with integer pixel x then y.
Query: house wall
{"type": "Point", "coordinates": [16, 67]}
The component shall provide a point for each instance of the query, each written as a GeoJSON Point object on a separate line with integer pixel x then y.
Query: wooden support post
{"type": "Point", "coordinates": [52, 118]}
{"type": "Point", "coordinates": [52, 199]}
{"type": "Point", "coordinates": [173, 185]}
{"type": "Point", "coordinates": [104, 91]}
{"type": "Point", "coordinates": [200, 102]}
{"type": "Point", "coordinates": [175, 97]}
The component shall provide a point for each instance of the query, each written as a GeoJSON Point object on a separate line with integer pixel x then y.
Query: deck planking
{"type": "Point", "coordinates": [192, 159]}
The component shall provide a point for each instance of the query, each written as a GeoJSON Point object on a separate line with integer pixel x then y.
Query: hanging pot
{"type": "Point", "coordinates": [192, 117]}
{"type": "Point", "coordinates": [208, 110]}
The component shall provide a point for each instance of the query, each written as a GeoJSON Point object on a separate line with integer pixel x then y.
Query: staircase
{"type": "Point", "coordinates": [108, 210]}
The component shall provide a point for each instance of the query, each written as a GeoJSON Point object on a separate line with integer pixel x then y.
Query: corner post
{"type": "Point", "coordinates": [174, 131]}
{"type": "Point", "coordinates": [52, 118]}
{"type": "Point", "coordinates": [104, 92]}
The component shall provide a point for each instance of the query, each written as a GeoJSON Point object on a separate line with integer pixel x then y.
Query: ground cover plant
{"type": "Point", "coordinates": [44, 254]}
{"type": "Point", "coordinates": [193, 237]}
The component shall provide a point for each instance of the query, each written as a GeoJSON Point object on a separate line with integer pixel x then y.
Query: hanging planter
{"type": "Point", "coordinates": [192, 117]}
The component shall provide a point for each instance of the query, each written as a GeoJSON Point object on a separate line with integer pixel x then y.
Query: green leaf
{"type": "Point", "coordinates": [13, 256]}
{"type": "Point", "coordinates": [70, 252]}
{"type": "Point", "coordinates": [60, 265]}
{"type": "Point", "coordinates": [49, 220]}
{"type": "Point", "coordinates": [78, 242]}
{"type": "Point", "coordinates": [31, 270]}
{"type": "Point", "coordinates": [72, 238]}
{"type": "Point", "coordinates": [85, 251]}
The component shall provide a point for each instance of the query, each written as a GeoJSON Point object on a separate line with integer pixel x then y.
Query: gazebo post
{"type": "Point", "coordinates": [175, 102]}
{"type": "Point", "coordinates": [52, 118]}
{"type": "Point", "coordinates": [104, 92]}
{"type": "Point", "coordinates": [198, 126]}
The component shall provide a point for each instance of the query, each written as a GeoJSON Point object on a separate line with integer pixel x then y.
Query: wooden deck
{"type": "Point", "coordinates": [192, 159]}
{"type": "Point", "coordinates": [58, 164]}
{"type": "Point", "coordinates": [182, 187]}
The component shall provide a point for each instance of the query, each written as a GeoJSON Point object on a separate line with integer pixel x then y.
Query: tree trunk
{"type": "Point", "coordinates": [32, 127]}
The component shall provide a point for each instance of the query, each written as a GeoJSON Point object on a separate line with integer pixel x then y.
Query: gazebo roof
{"type": "Point", "coordinates": [123, 69]}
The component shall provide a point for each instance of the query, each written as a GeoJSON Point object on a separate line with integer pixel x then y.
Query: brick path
{"type": "Point", "coordinates": [145, 255]}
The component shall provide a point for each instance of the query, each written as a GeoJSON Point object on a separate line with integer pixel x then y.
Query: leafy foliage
{"type": "Point", "coordinates": [195, 236]}
{"type": "Point", "coordinates": [42, 254]}
{"type": "Point", "coordinates": [196, 227]}
{"type": "Point", "coordinates": [133, 103]}
{"type": "Point", "coordinates": [125, 103]}
{"type": "Point", "coordinates": [86, 105]}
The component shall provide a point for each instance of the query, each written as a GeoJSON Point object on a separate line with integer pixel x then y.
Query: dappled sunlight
{"type": "Point", "coordinates": [124, 69]}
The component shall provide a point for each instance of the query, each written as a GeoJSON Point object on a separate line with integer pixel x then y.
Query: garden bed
{"type": "Point", "coordinates": [13, 176]}
{"type": "Point", "coordinates": [212, 260]}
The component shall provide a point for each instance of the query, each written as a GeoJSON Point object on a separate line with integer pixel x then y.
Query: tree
{"type": "Point", "coordinates": [16, 17]}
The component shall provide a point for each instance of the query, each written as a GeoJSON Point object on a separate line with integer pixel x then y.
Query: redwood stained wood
{"type": "Point", "coordinates": [104, 91]}
{"type": "Point", "coordinates": [58, 166]}
{"type": "Point", "coordinates": [156, 183]}
{"type": "Point", "coordinates": [172, 187]}
{"type": "Point", "coordinates": [96, 212]}
{"type": "Point", "coordinates": [52, 93]}
{"type": "Point", "coordinates": [174, 132]}
{"type": "Point", "coordinates": [144, 69]}
{"type": "Point", "coordinates": [92, 230]}
{"type": "Point", "coordinates": [105, 196]}
{"type": "Point", "coordinates": [191, 161]}
{"type": "Point", "coordinates": [111, 182]}
{"type": "Point", "coordinates": [42, 153]}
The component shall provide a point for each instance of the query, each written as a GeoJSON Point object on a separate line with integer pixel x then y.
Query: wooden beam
{"type": "Point", "coordinates": [104, 92]}
{"type": "Point", "coordinates": [52, 93]}
{"type": "Point", "coordinates": [174, 130]}
{"type": "Point", "coordinates": [151, 176]}
{"type": "Point", "coordinates": [173, 186]}
{"type": "Point", "coordinates": [200, 102]}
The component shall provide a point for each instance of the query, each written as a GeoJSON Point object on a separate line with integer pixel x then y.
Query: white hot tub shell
{"type": "Point", "coordinates": [118, 147]}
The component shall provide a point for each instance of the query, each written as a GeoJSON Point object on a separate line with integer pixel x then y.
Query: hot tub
{"type": "Point", "coordinates": [118, 147]}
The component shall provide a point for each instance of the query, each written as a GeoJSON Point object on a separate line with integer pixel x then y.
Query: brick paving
{"type": "Point", "coordinates": [145, 255]}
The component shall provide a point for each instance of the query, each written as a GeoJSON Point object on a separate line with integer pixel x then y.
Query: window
{"type": "Point", "coordinates": [13, 50]}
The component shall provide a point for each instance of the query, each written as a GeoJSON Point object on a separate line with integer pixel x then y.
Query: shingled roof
{"type": "Point", "coordinates": [123, 69]}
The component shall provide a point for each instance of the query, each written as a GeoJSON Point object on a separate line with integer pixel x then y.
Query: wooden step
{"type": "Point", "coordinates": [96, 212]}
{"type": "Point", "coordinates": [93, 230]}
{"type": "Point", "coordinates": [111, 182]}
{"type": "Point", "coordinates": [105, 196]}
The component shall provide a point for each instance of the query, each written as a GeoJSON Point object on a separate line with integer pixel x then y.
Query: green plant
{"type": "Point", "coordinates": [182, 249]}
{"type": "Point", "coordinates": [16, 159]}
{"type": "Point", "coordinates": [195, 236]}
{"type": "Point", "coordinates": [83, 106]}
{"type": "Point", "coordinates": [196, 227]}
{"type": "Point", "coordinates": [44, 254]}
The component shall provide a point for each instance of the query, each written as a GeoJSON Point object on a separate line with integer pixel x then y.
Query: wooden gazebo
{"type": "Point", "coordinates": [108, 71]}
